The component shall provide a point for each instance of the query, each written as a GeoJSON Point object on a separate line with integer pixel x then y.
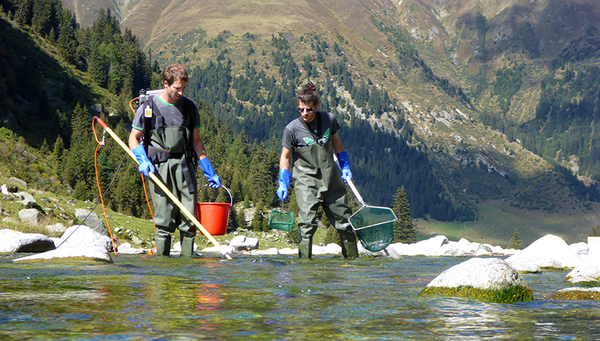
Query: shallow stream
{"type": "Point", "coordinates": [275, 297]}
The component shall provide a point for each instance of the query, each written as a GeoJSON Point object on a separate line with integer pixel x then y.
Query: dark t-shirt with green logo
{"type": "Point", "coordinates": [296, 135]}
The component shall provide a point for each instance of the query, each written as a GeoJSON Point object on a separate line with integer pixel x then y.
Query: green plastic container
{"type": "Point", "coordinates": [374, 227]}
{"type": "Point", "coordinates": [282, 221]}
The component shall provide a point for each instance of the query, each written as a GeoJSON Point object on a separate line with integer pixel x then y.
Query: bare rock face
{"type": "Point", "coordinates": [487, 279]}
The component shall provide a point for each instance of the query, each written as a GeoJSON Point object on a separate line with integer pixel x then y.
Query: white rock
{"type": "Point", "coordinates": [480, 273]}
{"type": "Point", "coordinates": [580, 248]}
{"type": "Point", "coordinates": [329, 249]}
{"type": "Point", "coordinates": [388, 252]}
{"type": "Point", "coordinates": [15, 241]}
{"type": "Point", "coordinates": [244, 243]}
{"type": "Point", "coordinates": [549, 251]}
{"type": "Point", "coordinates": [224, 249]}
{"type": "Point", "coordinates": [30, 215]}
{"type": "Point", "coordinates": [126, 249]}
{"type": "Point", "coordinates": [92, 253]}
{"type": "Point", "coordinates": [288, 251]}
{"type": "Point", "coordinates": [83, 236]}
{"type": "Point", "coordinates": [588, 271]}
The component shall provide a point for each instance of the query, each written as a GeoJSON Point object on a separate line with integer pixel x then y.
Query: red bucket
{"type": "Point", "coordinates": [213, 216]}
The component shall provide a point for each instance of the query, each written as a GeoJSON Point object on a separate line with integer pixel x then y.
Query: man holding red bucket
{"type": "Point", "coordinates": [169, 124]}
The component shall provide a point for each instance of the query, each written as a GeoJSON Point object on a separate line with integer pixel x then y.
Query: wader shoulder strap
{"type": "Point", "coordinates": [147, 119]}
{"type": "Point", "coordinates": [318, 136]}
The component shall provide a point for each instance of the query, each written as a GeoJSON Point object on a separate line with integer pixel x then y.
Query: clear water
{"type": "Point", "coordinates": [278, 297]}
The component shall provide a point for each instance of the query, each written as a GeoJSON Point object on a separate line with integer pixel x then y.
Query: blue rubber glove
{"type": "Point", "coordinates": [146, 167]}
{"type": "Point", "coordinates": [344, 165]}
{"type": "Point", "coordinates": [284, 181]}
{"type": "Point", "coordinates": [213, 179]}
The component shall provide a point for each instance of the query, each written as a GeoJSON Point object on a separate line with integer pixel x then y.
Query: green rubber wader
{"type": "Point", "coordinates": [163, 244]}
{"type": "Point", "coordinates": [187, 245]}
{"type": "Point", "coordinates": [168, 216]}
{"type": "Point", "coordinates": [317, 182]}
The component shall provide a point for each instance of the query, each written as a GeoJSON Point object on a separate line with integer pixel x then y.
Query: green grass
{"type": "Point", "coordinates": [497, 223]}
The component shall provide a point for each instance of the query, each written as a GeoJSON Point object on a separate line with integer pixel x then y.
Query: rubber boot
{"type": "Point", "coordinates": [305, 248]}
{"type": "Point", "coordinates": [187, 246]}
{"type": "Point", "coordinates": [349, 249]}
{"type": "Point", "coordinates": [163, 245]}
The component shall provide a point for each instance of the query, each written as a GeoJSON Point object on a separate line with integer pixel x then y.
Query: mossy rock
{"type": "Point", "coordinates": [508, 295]}
{"type": "Point", "coordinates": [577, 293]}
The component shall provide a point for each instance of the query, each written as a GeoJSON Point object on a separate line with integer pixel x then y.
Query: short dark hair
{"type": "Point", "coordinates": [308, 95]}
{"type": "Point", "coordinates": [174, 72]}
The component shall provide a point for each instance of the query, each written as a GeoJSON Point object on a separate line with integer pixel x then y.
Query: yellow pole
{"type": "Point", "coordinates": [165, 189]}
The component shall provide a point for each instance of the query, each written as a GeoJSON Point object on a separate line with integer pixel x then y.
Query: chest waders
{"type": "Point", "coordinates": [171, 151]}
{"type": "Point", "coordinates": [317, 182]}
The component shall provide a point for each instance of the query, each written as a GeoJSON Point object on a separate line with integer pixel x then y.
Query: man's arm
{"type": "Point", "coordinates": [284, 160]}
{"type": "Point", "coordinates": [338, 147]}
{"type": "Point", "coordinates": [134, 138]}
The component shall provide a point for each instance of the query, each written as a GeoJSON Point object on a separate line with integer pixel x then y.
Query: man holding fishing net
{"type": "Point", "coordinates": [170, 123]}
{"type": "Point", "coordinates": [309, 142]}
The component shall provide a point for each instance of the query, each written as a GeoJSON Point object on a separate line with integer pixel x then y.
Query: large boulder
{"type": "Point", "coordinates": [71, 253]}
{"type": "Point", "coordinates": [83, 236]}
{"type": "Point", "coordinates": [15, 241]}
{"type": "Point", "coordinates": [549, 251]}
{"type": "Point", "coordinates": [92, 220]}
{"type": "Point", "coordinates": [487, 279]}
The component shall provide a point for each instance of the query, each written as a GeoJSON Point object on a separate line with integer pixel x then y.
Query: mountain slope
{"type": "Point", "coordinates": [466, 74]}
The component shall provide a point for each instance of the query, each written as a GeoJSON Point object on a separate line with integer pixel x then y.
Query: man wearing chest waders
{"type": "Point", "coordinates": [310, 142]}
{"type": "Point", "coordinates": [174, 145]}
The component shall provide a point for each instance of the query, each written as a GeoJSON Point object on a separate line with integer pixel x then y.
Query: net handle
{"type": "Point", "coordinates": [351, 184]}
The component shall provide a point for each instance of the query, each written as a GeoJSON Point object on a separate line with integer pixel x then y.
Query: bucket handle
{"type": "Point", "coordinates": [230, 197]}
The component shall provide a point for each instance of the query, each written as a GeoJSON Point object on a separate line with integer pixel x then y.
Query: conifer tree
{"type": "Point", "coordinates": [78, 167]}
{"type": "Point", "coordinates": [404, 229]}
{"type": "Point", "coordinates": [516, 242]}
{"type": "Point", "coordinates": [66, 42]}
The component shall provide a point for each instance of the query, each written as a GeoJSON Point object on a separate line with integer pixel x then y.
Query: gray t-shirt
{"type": "Point", "coordinates": [172, 113]}
{"type": "Point", "coordinates": [296, 135]}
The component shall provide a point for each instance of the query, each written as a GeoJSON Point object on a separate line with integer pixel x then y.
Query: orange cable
{"type": "Point", "coordinates": [98, 182]}
{"type": "Point", "coordinates": [151, 213]}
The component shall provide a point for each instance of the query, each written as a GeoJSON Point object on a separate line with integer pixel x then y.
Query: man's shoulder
{"type": "Point", "coordinates": [294, 124]}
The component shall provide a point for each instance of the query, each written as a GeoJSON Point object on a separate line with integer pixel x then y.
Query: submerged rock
{"type": "Point", "coordinates": [71, 253]}
{"type": "Point", "coordinates": [577, 293]}
{"type": "Point", "coordinates": [487, 279]}
{"type": "Point", "coordinates": [15, 241]}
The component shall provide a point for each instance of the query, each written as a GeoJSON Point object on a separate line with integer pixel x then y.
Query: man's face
{"type": "Point", "coordinates": [307, 111]}
{"type": "Point", "coordinates": [175, 91]}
